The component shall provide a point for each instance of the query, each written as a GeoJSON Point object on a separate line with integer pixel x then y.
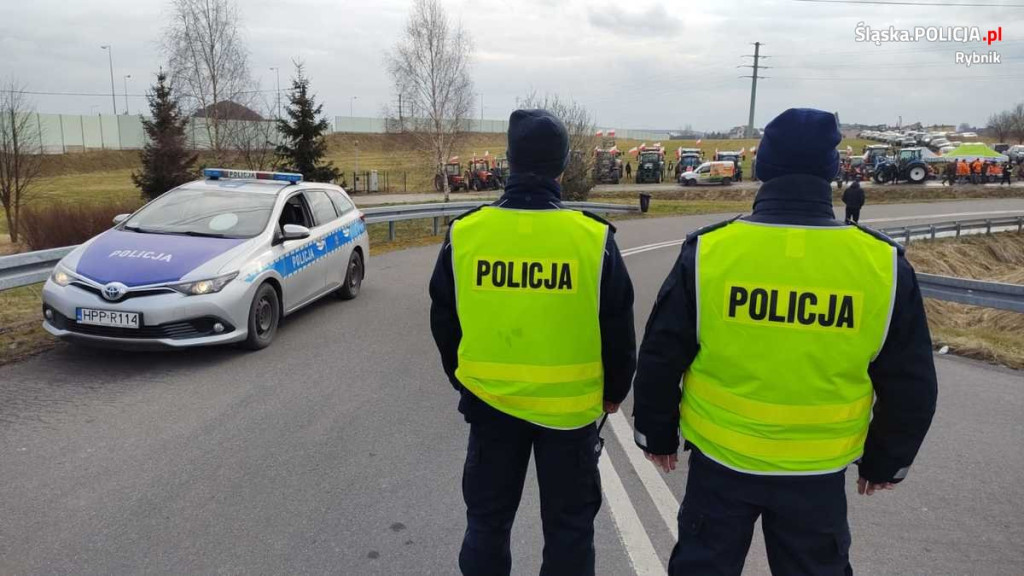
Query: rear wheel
{"type": "Point", "coordinates": [726, 181]}
{"type": "Point", "coordinates": [917, 174]}
{"type": "Point", "coordinates": [353, 278]}
{"type": "Point", "coordinates": [264, 318]}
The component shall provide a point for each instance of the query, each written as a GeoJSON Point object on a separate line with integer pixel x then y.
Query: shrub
{"type": "Point", "coordinates": [55, 225]}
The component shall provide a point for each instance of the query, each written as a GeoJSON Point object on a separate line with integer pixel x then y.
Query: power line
{"type": "Point", "coordinates": [900, 3]}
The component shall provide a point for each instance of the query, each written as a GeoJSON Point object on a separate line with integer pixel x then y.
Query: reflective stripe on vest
{"type": "Point", "coordinates": [527, 295]}
{"type": "Point", "coordinates": [789, 318]}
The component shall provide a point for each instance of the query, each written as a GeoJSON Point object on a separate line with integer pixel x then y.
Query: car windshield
{"type": "Point", "coordinates": [202, 212]}
{"type": "Point", "coordinates": [650, 157]}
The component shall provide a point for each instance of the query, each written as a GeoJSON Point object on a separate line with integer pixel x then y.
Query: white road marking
{"type": "Point", "coordinates": [631, 531]}
{"type": "Point", "coordinates": [634, 537]}
{"type": "Point", "coordinates": [664, 501]}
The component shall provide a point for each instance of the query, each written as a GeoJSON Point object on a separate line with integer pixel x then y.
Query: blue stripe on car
{"type": "Point", "coordinates": [293, 262]}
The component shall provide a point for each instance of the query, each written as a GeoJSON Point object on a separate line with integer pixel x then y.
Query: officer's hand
{"type": "Point", "coordinates": [666, 462]}
{"type": "Point", "coordinates": [868, 488]}
{"type": "Point", "coordinates": [610, 407]}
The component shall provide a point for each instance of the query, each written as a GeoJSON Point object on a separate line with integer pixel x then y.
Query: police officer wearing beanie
{"type": "Point", "coordinates": [532, 312]}
{"type": "Point", "coordinates": [784, 345]}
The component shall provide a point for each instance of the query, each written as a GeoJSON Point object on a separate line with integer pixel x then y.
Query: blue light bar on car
{"type": "Point", "coordinates": [224, 174]}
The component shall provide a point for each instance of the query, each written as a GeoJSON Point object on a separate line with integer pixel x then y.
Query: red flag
{"type": "Point", "coordinates": [698, 141]}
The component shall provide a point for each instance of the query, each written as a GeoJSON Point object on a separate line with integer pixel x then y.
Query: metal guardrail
{"type": "Point", "coordinates": [973, 292]}
{"type": "Point", "coordinates": [32, 267]}
{"type": "Point", "coordinates": [393, 214]}
{"type": "Point", "coordinates": [954, 229]}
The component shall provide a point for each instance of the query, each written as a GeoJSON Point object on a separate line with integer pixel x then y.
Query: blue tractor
{"type": "Point", "coordinates": [909, 165]}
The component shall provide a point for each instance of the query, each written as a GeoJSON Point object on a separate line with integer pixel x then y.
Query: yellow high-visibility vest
{"type": "Point", "coordinates": [527, 295]}
{"type": "Point", "coordinates": [789, 318]}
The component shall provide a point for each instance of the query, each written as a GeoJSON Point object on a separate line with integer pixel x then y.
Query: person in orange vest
{"type": "Point", "coordinates": [962, 171]}
{"type": "Point", "coordinates": [976, 171]}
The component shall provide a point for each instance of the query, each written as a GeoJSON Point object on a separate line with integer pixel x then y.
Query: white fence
{"type": "Point", "coordinates": [64, 133]}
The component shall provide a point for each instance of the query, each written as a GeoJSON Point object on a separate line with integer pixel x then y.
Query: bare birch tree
{"type": "Point", "coordinates": [430, 67]}
{"type": "Point", "coordinates": [1000, 125]}
{"type": "Point", "coordinates": [208, 60]}
{"type": "Point", "coordinates": [577, 181]}
{"type": "Point", "coordinates": [21, 153]}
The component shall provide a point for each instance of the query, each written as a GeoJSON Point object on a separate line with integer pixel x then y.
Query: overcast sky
{"type": "Point", "coordinates": [635, 64]}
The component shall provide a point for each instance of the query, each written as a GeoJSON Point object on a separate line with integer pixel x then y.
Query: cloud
{"type": "Point", "coordinates": [654, 21]}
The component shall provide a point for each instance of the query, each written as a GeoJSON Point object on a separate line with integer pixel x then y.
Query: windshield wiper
{"type": "Point", "coordinates": [143, 230]}
{"type": "Point", "coordinates": [203, 234]}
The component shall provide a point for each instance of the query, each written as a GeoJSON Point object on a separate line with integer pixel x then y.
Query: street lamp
{"type": "Point", "coordinates": [110, 59]}
{"type": "Point", "coordinates": [277, 71]}
{"type": "Point", "coordinates": [126, 77]}
{"type": "Point", "coordinates": [350, 101]}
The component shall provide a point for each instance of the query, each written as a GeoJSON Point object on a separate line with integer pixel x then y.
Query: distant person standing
{"type": "Point", "coordinates": [984, 172]}
{"type": "Point", "coordinates": [854, 199]}
{"type": "Point", "coordinates": [894, 174]}
{"type": "Point", "coordinates": [949, 174]}
{"type": "Point", "coordinates": [1007, 174]}
{"type": "Point", "coordinates": [629, 170]}
{"type": "Point", "coordinates": [976, 171]}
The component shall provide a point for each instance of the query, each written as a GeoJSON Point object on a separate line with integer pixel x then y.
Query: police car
{"type": "Point", "coordinates": [213, 261]}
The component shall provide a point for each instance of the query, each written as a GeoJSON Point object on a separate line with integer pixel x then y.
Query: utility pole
{"type": "Point", "coordinates": [126, 78]}
{"type": "Point", "coordinates": [110, 59]}
{"type": "Point", "coordinates": [481, 111]}
{"type": "Point", "coordinates": [277, 71]}
{"type": "Point", "coordinates": [753, 84]}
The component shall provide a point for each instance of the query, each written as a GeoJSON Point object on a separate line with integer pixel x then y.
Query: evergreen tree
{"type": "Point", "coordinates": [304, 134]}
{"type": "Point", "coordinates": [166, 160]}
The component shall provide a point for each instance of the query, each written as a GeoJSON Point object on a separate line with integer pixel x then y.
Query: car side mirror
{"type": "Point", "coordinates": [120, 218]}
{"type": "Point", "coordinates": [295, 232]}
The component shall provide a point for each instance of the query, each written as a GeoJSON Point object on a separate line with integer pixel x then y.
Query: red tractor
{"type": "Point", "coordinates": [453, 172]}
{"type": "Point", "coordinates": [479, 176]}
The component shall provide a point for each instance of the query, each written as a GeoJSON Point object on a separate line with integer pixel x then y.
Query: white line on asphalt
{"type": "Point", "coordinates": [634, 537]}
{"type": "Point", "coordinates": [664, 501]}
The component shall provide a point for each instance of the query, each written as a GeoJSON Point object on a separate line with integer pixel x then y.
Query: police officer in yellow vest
{"type": "Point", "coordinates": [532, 312]}
{"type": "Point", "coordinates": [784, 346]}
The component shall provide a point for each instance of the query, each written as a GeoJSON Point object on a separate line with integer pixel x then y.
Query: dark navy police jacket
{"type": "Point", "coordinates": [618, 338]}
{"type": "Point", "coordinates": [903, 374]}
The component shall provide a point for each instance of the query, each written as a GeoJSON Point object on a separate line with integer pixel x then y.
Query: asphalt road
{"type": "Point", "coordinates": [339, 451]}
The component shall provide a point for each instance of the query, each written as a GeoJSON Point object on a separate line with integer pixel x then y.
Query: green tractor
{"type": "Point", "coordinates": [650, 165]}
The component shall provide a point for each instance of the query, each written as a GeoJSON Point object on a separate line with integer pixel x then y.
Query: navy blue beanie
{"type": "Point", "coordinates": [799, 141]}
{"type": "Point", "coordinates": [537, 142]}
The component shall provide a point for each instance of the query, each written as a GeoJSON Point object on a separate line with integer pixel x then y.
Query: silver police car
{"type": "Point", "coordinates": [213, 261]}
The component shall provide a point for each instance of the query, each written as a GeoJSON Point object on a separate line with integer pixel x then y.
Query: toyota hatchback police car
{"type": "Point", "coordinates": [213, 261]}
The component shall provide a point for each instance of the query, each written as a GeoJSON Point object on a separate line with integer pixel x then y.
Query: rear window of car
{"type": "Point", "coordinates": [341, 203]}
{"type": "Point", "coordinates": [320, 204]}
{"type": "Point", "coordinates": [205, 212]}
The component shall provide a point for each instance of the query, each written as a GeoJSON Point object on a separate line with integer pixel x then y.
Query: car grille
{"type": "Point", "coordinates": [195, 328]}
{"type": "Point", "coordinates": [128, 295]}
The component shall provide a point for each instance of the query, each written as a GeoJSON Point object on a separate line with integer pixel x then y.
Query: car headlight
{"type": "Point", "coordinates": [208, 286]}
{"type": "Point", "coordinates": [61, 276]}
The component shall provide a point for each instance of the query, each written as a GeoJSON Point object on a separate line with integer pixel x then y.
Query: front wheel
{"type": "Point", "coordinates": [264, 318]}
{"type": "Point", "coordinates": [353, 278]}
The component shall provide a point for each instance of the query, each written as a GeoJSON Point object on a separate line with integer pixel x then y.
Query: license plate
{"type": "Point", "coordinates": [109, 318]}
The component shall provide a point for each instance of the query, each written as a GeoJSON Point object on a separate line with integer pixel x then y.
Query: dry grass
{"type": "Point", "coordinates": [21, 331]}
{"type": "Point", "coordinates": [984, 333]}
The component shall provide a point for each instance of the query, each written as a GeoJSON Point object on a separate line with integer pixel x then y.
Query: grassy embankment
{"type": "Point", "coordinates": [983, 333]}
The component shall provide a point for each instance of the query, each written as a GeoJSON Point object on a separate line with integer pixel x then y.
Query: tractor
{"type": "Point", "coordinates": [687, 160]}
{"type": "Point", "coordinates": [735, 157]}
{"type": "Point", "coordinates": [479, 175]}
{"type": "Point", "coordinates": [453, 172]}
{"type": "Point", "coordinates": [908, 166]}
{"type": "Point", "coordinates": [650, 164]}
{"type": "Point", "coordinates": [607, 164]}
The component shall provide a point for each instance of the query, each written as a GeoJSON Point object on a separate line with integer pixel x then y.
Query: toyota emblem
{"type": "Point", "coordinates": [114, 291]}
